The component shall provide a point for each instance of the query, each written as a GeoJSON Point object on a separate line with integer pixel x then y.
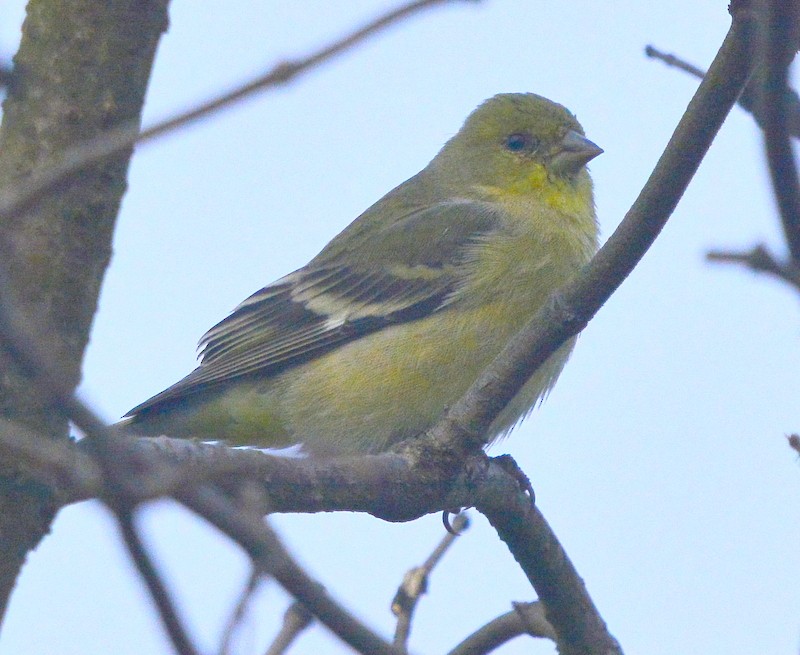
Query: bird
{"type": "Point", "coordinates": [371, 341]}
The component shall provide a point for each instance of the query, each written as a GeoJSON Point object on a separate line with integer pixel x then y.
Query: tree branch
{"type": "Point", "coordinates": [81, 67]}
{"type": "Point", "coordinates": [117, 461]}
{"type": "Point", "coordinates": [673, 61]}
{"type": "Point", "coordinates": [269, 554]}
{"type": "Point", "coordinates": [778, 49]}
{"type": "Point", "coordinates": [415, 583]}
{"type": "Point", "coordinates": [525, 618]}
{"type": "Point", "coordinates": [463, 429]}
{"type": "Point", "coordinates": [749, 98]}
{"type": "Point", "coordinates": [158, 591]}
{"type": "Point", "coordinates": [760, 260]}
{"type": "Point", "coordinates": [568, 606]}
{"type": "Point", "coordinates": [461, 434]}
{"type": "Point", "coordinates": [20, 197]}
{"type": "Point", "coordinates": [296, 619]}
{"type": "Point", "coordinates": [5, 75]}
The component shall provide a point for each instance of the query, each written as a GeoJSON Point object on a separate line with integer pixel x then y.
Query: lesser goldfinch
{"type": "Point", "coordinates": [390, 324]}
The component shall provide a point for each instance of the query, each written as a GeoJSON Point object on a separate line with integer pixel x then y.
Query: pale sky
{"type": "Point", "coordinates": [659, 459]}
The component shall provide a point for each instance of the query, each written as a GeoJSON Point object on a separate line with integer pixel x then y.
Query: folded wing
{"type": "Point", "coordinates": [404, 272]}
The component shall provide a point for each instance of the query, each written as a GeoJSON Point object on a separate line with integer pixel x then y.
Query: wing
{"type": "Point", "coordinates": [338, 297]}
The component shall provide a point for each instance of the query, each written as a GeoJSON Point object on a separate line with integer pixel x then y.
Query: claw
{"type": "Point", "coordinates": [511, 467]}
{"type": "Point", "coordinates": [446, 520]}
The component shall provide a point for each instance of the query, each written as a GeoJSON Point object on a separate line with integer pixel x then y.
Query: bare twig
{"type": "Point", "coordinates": [158, 591]}
{"type": "Point", "coordinates": [525, 618]}
{"type": "Point", "coordinates": [20, 197]}
{"type": "Point", "coordinates": [779, 114]}
{"type": "Point", "coordinates": [749, 99]}
{"type": "Point", "coordinates": [295, 620]}
{"type": "Point", "coordinates": [674, 61]}
{"type": "Point", "coordinates": [761, 260]}
{"type": "Point", "coordinates": [286, 71]}
{"type": "Point", "coordinates": [781, 17]}
{"type": "Point", "coordinates": [237, 616]}
{"type": "Point", "coordinates": [270, 556]}
{"type": "Point", "coordinates": [415, 583]}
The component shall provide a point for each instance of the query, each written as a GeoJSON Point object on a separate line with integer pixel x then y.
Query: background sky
{"type": "Point", "coordinates": [659, 459]}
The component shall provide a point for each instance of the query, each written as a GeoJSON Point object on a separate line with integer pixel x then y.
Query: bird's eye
{"type": "Point", "coordinates": [520, 141]}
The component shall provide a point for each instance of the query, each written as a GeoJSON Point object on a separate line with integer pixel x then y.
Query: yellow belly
{"type": "Point", "coordinates": [396, 383]}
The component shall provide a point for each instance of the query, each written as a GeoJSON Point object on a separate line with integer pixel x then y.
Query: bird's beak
{"type": "Point", "coordinates": [576, 151]}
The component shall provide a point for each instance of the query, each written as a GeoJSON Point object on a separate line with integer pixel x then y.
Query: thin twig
{"type": "Point", "coordinates": [238, 613]}
{"type": "Point", "coordinates": [783, 169]}
{"type": "Point", "coordinates": [295, 620]}
{"type": "Point", "coordinates": [415, 583]}
{"type": "Point", "coordinates": [674, 61]}
{"type": "Point", "coordinates": [760, 260]}
{"type": "Point", "coordinates": [749, 99]}
{"type": "Point", "coordinates": [524, 619]}
{"type": "Point", "coordinates": [271, 556]}
{"type": "Point", "coordinates": [286, 71]}
{"type": "Point", "coordinates": [23, 194]}
{"type": "Point", "coordinates": [158, 591]}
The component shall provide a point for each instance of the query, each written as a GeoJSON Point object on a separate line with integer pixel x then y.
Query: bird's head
{"type": "Point", "coordinates": [517, 142]}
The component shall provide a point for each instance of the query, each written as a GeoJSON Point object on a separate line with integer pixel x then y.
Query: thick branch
{"type": "Point", "coordinates": [778, 49]}
{"type": "Point", "coordinates": [568, 607]}
{"type": "Point", "coordinates": [82, 67]}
